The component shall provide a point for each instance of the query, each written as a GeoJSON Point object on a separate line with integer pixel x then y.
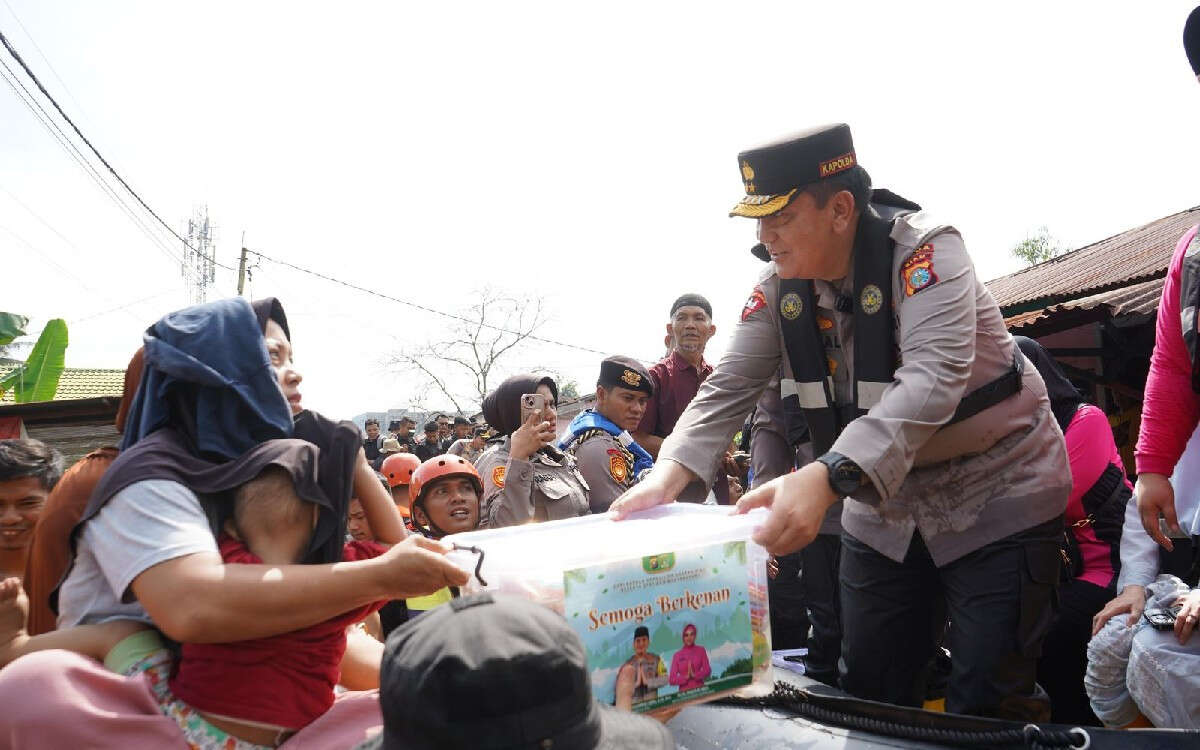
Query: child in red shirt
{"type": "Point", "coordinates": [245, 694]}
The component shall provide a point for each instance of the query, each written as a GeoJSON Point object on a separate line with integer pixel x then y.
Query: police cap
{"type": "Point", "coordinates": [625, 372]}
{"type": "Point", "coordinates": [774, 172]}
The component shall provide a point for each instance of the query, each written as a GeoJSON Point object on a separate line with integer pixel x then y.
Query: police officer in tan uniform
{"type": "Point", "coordinates": [608, 457]}
{"type": "Point", "coordinates": [525, 476]}
{"type": "Point", "coordinates": [924, 416]}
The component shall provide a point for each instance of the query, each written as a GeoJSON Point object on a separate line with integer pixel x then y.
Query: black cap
{"type": "Point", "coordinates": [431, 426]}
{"type": "Point", "coordinates": [495, 671]}
{"type": "Point", "coordinates": [461, 420]}
{"type": "Point", "coordinates": [625, 372]}
{"type": "Point", "coordinates": [772, 173]}
{"type": "Point", "coordinates": [692, 300]}
{"type": "Point", "coordinates": [1191, 40]}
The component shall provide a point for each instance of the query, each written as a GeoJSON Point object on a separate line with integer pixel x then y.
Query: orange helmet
{"type": "Point", "coordinates": [399, 468]}
{"type": "Point", "coordinates": [439, 467]}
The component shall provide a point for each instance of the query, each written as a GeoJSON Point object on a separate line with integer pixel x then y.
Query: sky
{"type": "Point", "coordinates": [583, 153]}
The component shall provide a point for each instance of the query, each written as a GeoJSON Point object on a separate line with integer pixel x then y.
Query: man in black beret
{"type": "Point", "coordinates": [923, 416]}
{"type": "Point", "coordinates": [607, 456]}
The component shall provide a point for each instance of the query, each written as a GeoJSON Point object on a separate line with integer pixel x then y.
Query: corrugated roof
{"type": "Point", "coordinates": [79, 383]}
{"type": "Point", "coordinates": [1138, 299]}
{"type": "Point", "coordinates": [1127, 258]}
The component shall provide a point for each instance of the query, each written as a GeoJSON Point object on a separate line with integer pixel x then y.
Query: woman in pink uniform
{"type": "Point", "coordinates": [1091, 541]}
{"type": "Point", "coordinates": [689, 666]}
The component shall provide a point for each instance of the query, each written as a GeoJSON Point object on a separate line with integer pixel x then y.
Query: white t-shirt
{"type": "Point", "coordinates": [146, 523]}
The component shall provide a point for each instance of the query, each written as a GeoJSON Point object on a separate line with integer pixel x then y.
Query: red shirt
{"type": "Point", "coordinates": [676, 382]}
{"type": "Point", "coordinates": [285, 680]}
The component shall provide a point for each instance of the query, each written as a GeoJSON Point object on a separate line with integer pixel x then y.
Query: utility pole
{"type": "Point", "coordinates": [242, 272]}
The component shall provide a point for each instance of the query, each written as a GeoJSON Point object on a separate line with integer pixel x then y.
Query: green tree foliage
{"type": "Point", "coordinates": [740, 666]}
{"type": "Point", "coordinates": [1038, 247]}
{"type": "Point", "coordinates": [37, 378]}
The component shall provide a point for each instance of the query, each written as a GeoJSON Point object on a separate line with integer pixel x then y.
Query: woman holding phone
{"type": "Point", "coordinates": [525, 478]}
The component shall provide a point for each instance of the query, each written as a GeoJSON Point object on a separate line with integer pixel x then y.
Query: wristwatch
{"type": "Point", "coordinates": [845, 476]}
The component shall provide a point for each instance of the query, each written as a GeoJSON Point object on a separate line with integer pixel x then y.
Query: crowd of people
{"type": "Point", "coordinates": [244, 572]}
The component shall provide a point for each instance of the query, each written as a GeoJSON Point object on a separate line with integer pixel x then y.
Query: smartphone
{"type": "Point", "coordinates": [532, 403]}
{"type": "Point", "coordinates": [1161, 618]}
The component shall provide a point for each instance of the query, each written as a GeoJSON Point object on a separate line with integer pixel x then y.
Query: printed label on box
{"type": "Point", "coordinates": [678, 622]}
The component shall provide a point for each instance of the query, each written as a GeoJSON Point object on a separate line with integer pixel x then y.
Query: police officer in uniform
{"type": "Point", "coordinates": [607, 455]}
{"type": "Point", "coordinates": [923, 415]}
{"type": "Point", "coordinates": [525, 476]}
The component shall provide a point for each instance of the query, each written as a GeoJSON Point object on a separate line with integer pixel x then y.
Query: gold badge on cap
{"type": "Point", "coordinates": [632, 378]}
{"type": "Point", "coordinates": [791, 306]}
{"type": "Point", "coordinates": [748, 177]}
{"type": "Point", "coordinates": [871, 299]}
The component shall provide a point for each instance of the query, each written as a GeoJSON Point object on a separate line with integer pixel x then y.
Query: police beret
{"type": "Point", "coordinates": [1191, 40]}
{"type": "Point", "coordinates": [625, 372]}
{"type": "Point", "coordinates": [772, 173]}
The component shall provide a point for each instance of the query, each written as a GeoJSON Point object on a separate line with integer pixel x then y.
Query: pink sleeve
{"type": "Point", "coordinates": [678, 673]}
{"type": "Point", "coordinates": [1170, 410]}
{"type": "Point", "coordinates": [1090, 449]}
{"type": "Point", "coordinates": [705, 668]}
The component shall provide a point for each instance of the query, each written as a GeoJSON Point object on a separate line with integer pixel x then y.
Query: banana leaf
{"type": "Point", "coordinates": [11, 326]}
{"type": "Point", "coordinates": [38, 378]}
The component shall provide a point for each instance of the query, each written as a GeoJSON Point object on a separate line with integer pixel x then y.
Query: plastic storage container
{"type": "Point", "coordinates": [635, 590]}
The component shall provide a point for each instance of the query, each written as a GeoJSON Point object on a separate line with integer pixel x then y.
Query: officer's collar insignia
{"type": "Point", "coordinates": [631, 378]}
{"type": "Point", "coordinates": [791, 306]}
{"type": "Point", "coordinates": [756, 302]}
{"type": "Point", "coordinates": [917, 271]}
{"type": "Point", "coordinates": [871, 299]}
{"type": "Point", "coordinates": [498, 476]}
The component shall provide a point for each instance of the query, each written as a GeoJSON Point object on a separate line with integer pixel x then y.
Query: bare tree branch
{"type": "Point", "coordinates": [471, 349]}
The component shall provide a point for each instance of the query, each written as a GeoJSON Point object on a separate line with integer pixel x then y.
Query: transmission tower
{"type": "Point", "coordinates": [199, 254]}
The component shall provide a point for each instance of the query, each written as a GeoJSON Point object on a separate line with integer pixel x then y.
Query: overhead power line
{"type": "Point", "coordinates": [26, 97]}
{"type": "Point", "coordinates": [424, 308]}
{"type": "Point", "coordinates": [33, 77]}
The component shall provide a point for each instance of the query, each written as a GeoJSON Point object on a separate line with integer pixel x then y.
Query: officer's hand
{"type": "Point", "coordinates": [798, 502]}
{"type": "Point", "coordinates": [1155, 496]}
{"type": "Point", "coordinates": [1132, 599]}
{"type": "Point", "coordinates": [418, 567]}
{"type": "Point", "coordinates": [530, 437]}
{"type": "Point", "coordinates": [1189, 613]}
{"type": "Point", "coordinates": [772, 567]}
{"type": "Point", "coordinates": [662, 485]}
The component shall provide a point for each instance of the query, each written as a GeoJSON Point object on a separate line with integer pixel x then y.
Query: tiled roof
{"type": "Point", "coordinates": [1138, 299]}
{"type": "Point", "coordinates": [79, 383]}
{"type": "Point", "coordinates": [1130, 257]}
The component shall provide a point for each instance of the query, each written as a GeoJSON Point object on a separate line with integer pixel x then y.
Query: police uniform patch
{"type": "Point", "coordinates": [631, 378]}
{"type": "Point", "coordinates": [871, 299]}
{"type": "Point", "coordinates": [824, 323]}
{"type": "Point", "coordinates": [756, 302]}
{"type": "Point", "coordinates": [917, 271]}
{"type": "Point", "coordinates": [618, 469]}
{"type": "Point", "coordinates": [791, 306]}
{"type": "Point", "coordinates": [831, 363]}
{"type": "Point", "coordinates": [498, 476]}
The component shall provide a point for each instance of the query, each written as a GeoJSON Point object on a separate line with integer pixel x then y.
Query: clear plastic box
{"type": "Point", "coordinates": [664, 570]}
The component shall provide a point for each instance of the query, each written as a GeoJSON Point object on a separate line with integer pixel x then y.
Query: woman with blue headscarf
{"type": "Point", "coordinates": [212, 411]}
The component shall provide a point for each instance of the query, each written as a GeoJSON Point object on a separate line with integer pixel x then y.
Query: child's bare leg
{"type": "Point", "coordinates": [89, 640]}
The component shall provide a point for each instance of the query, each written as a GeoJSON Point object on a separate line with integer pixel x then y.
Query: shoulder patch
{"type": "Point", "coordinates": [618, 469]}
{"type": "Point", "coordinates": [498, 476]}
{"type": "Point", "coordinates": [917, 272]}
{"type": "Point", "coordinates": [756, 302]}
